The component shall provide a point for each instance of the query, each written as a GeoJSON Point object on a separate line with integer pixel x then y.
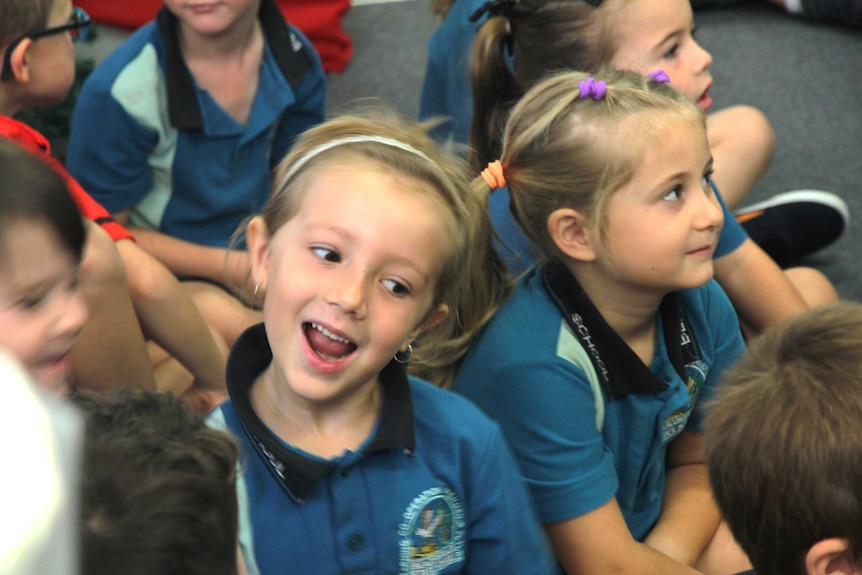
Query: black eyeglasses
{"type": "Point", "coordinates": [78, 28]}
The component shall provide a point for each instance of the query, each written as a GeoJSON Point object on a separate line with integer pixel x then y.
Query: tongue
{"type": "Point", "coordinates": [327, 346]}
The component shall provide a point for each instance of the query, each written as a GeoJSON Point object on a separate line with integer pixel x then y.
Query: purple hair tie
{"type": "Point", "coordinates": [592, 88]}
{"type": "Point", "coordinates": [659, 76]}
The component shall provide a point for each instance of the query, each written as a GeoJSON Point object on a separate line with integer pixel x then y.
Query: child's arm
{"type": "Point", "coordinates": [689, 517]}
{"type": "Point", "coordinates": [228, 268]}
{"type": "Point", "coordinates": [169, 317]}
{"type": "Point", "coordinates": [759, 290]}
{"type": "Point", "coordinates": [600, 543]}
{"type": "Point", "coordinates": [505, 533]}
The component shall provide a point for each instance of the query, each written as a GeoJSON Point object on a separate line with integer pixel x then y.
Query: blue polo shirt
{"type": "Point", "coordinates": [434, 488]}
{"type": "Point", "coordinates": [446, 91]}
{"type": "Point", "coordinates": [145, 137]}
{"type": "Point", "coordinates": [586, 418]}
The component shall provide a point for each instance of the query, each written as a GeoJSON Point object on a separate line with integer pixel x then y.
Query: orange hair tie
{"type": "Point", "coordinates": [493, 175]}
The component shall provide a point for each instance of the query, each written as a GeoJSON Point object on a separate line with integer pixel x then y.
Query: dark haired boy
{"type": "Point", "coordinates": [784, 445]}
{"type": "Point", "coordinates": [158, 488]}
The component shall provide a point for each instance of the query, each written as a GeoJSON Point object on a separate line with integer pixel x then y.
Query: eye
{"type": "Point", "coordinates": [706, 181]}
{"type": "Point", "coordinates": [671, 52]}
{"type": "Point", "coordinates": [31, 302]}
{"type": "Point", "coordinates": [74, 282]}
{"type": "Point", "coordinates": [396, 287]}
{"type": "Point", "coordinates": [327, 254]}
{"type": "Point", "coordinates": [674, 195]}
{"type": "Point", "coordinates": [694, 30]}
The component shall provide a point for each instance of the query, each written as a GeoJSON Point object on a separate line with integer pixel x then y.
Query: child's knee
{"type": "Point", "coordinates": [101, 263]}
{"type": "Point", "coordinates": [745, 129]}
{"type": "Point", "coordinates": [815, 288]}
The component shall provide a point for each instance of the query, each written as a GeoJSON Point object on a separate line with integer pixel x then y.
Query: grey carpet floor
{"type": "Point", "coordinates": [806, 77]}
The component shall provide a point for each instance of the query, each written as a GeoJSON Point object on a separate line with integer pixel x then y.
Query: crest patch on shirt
{"type": "Point", "coordinates": [696, 372]}
{"type": "Point", "coordinates": [432, 536]}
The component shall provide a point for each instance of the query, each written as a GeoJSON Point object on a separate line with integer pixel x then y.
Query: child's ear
{"type": "Point", "coordinates": [19, 61]}
{"type": "Point", "coordinates": [831, 557]}
{"type": "Point", "coordinates": [571, 233]}
{"type": "Point", "coordinates": [257, 238]}
{"type": "Point", "coordinates": [434, 317]}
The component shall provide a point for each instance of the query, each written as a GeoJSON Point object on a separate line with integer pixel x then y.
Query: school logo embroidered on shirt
{"type": "Point", "coordinates": [432, 535]}
{"type": "Point", "coordinates": [675, 422]}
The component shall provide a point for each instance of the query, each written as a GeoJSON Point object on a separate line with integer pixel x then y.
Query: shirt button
{"type": "Point", "coordinates": [355, 542]}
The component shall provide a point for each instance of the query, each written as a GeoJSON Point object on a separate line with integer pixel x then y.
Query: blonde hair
{"type": "Point", "coordinates": [560, 150]}
{"type": "Point", "coordinates": [549, 36]}
{"type": "Point", "coordinates": [472, 271]}
{"type": "Point", "coordinates": [783, 442]}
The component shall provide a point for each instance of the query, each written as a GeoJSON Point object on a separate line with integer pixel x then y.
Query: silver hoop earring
{"type": "Point", "coordinates": [404, 356]}
{"type": "Point", "coordinates": [256, 287]}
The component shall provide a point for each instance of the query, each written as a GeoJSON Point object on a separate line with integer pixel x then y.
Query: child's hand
{"type": "Point", "coordinates": [203, 400]}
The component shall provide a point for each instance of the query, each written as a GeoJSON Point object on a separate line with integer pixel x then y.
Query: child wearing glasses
{"type": "Point", "coordinates": [177, 131]}
{"type": "Point", "coordinates": [131, 296]}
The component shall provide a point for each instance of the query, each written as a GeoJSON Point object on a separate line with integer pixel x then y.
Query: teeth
{"type": "Point", "coordinates": [329, 334]}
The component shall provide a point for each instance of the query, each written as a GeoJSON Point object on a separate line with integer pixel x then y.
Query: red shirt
{"type": "Point", "coordinates": [36, 143]}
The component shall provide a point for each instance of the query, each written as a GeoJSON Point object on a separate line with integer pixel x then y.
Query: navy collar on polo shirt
{"type": "Point", "coordinates": [619, 368]}
{"type": "Point", "coordinates": [292, 58]}
{"type": "Point", "coordinates": [298, 474]}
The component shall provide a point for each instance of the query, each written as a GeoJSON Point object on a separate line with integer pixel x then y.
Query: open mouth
{"type": "Point", "coordinates": [327, 345]}
{"type": "Point", "coordinates": [705, 100]}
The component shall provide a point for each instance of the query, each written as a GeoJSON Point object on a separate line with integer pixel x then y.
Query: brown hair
{"type": "Point", "coordinates": [18, 17]}
{"type": "Point", "coordinates": [30, 189]}
{"type": "Point", "coordinates": [158, 491]}
{"type": "Point", "coordinates": [784, 443]}
{"type": "Point", "coordinates": [473, 269]}
{"type": "Point", "coordinates": [548, 36]}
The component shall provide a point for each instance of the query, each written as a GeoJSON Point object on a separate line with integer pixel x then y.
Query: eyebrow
{"type": "Point", "coordinates": [680, 175]}
{"type": "Point", "coordinates": [667, 38]}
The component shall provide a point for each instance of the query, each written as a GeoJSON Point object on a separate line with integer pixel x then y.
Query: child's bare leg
{"type": "Point", "coordinates": [170, 318]}
{"type": "Point", "coordinates": [723, 556]}
{"type": "Point", "coordinates": [742, 144]}
{"type": "Point", "coordinates": [223, 311]}
{"type": "Point", "coordinates": [812, 285]}
{"type": "Point", "coordinates": [111, 350]}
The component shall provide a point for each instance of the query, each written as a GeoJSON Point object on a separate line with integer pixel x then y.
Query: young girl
{"type": "Point", "coordinates": [352, 466]}
{"type": "Point", "coordinates": [42, 237]}
{"type": "Point", "coordinates": [549, 35]}
{"type": "Point", "coordinates": [627, 334]}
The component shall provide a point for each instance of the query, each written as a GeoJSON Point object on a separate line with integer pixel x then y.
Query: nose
{"type": "Point", "coordinates": [709, 214]}
{"type": "Point", "coordinates": [702, 60]}
{"type": "Point", "coordinates": [71, 315]}
{"type": "Point", "coordinates": [348, 291]}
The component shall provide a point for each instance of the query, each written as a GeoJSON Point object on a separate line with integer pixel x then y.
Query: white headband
{"type": "Point", "coordinates": [297, 165]}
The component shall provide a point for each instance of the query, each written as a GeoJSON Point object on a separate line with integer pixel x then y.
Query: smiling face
{"type": "Point", "coordinates": [350, 278]}
{"type": "Point", "coordinates": [655, 34]}
{"type": "Point", "coordinates": [662, 226]}
{"type": "Point", "coordinates": [41, 309]}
